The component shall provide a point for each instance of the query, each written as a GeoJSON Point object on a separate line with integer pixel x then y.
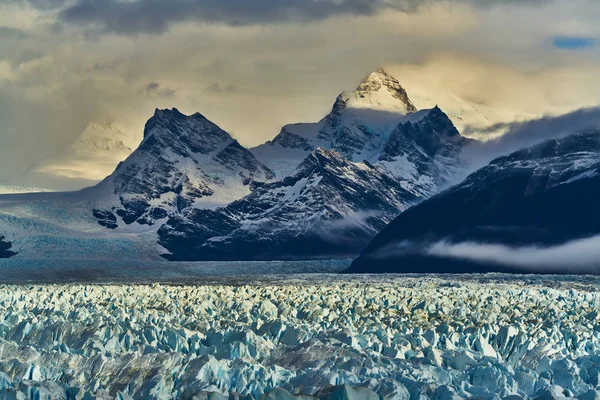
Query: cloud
{"type": "Point", "coordinates": [520, 135]}
{"type": "Point", "coordinates": [578, 256]}
{"type": "Point", "coordinates": [156, 16]}
{"type": "Point", "coordinates": [151, 87]}
{"type": "Point", "coordinates": [573, 42]}
{"type": "Point", "coordinates": [9, 33]}
{"type": "Point", "coordinates": [216, 88]}
{"type": "Point", "coordinates": [498, 92]}
{"type": "Point", "coordinates": [154, 89]}
{"type": "Point", "coordinates": [336, 230]}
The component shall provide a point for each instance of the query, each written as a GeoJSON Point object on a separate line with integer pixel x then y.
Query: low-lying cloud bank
{"type": "Point", "coordinates": [579, 256]}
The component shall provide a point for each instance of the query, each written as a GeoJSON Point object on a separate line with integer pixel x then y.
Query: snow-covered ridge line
{"type": "Point", "coordinates": [405, 338]}
{"type": "Point", "coordinates": [194, 189]}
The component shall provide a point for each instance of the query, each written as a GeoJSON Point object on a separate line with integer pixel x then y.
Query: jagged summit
{"type": "Point", "coordinates": [183, 161]}
{"type": "Point", "coordinates": [173, 123]}
{"type": "Point", "coordinates": [381, 90]}
{"type": "Point", "coordinates": [357, 126]}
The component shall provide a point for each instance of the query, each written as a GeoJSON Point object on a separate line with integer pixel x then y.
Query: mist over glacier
{"type": "Point", "coordinates": [578, 256]}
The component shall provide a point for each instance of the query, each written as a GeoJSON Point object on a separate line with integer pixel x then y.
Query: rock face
{"type": "Point", "coordinates": [5, 248]}
{"type": "Point", "coordinates": [424, 152]}
{"type": "Point", "coordinates": [541, 196]}
{"type": "Point", "coordinates": [328, 207]}
{"type": "Point", "coordinates": [182, 161]}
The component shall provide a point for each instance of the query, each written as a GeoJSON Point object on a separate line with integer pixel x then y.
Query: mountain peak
{"type": "Point", "coordinates": [382, 90]}
{"type": "Point", "coordinates": [166, 112]}
{"type": "Point", "coordinates": [186, 135]}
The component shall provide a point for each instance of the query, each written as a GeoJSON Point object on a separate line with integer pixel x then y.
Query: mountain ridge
{"type": "Point", "coordinates": [541, 196]}
{"type": "Point", "coordinates": [313, 213]}
{"type": "Point", "coordinates": [190, 191]}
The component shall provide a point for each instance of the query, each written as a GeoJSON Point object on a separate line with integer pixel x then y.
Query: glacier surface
{"type": "Point", "coordinates": [319, 336]}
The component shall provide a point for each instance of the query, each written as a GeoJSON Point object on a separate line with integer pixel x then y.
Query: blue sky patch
{"type": "Point", "coordinates": [573, 42]}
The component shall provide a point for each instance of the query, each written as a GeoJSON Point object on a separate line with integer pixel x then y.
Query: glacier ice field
{"type": "Point", "coordinates": [313, 336]}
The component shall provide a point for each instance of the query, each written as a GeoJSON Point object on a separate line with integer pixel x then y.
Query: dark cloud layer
{"type": "Point", "coordinates": [155, 16]}
{"type": "Point", "coordinates": [132, 17]}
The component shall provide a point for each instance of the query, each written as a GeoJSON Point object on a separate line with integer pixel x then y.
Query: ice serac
{"type": "Point", "coordinates": [307, 337]}
{"type": "Point", "coordinates": [545, 195]}
{"type": "Point", "coordinates": [329, 207]}
{"type": "Point", "coordinates": [183, 161]}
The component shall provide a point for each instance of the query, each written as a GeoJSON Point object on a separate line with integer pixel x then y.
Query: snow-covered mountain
{"type": "Point", "coordinates": [370, 158]}
{"type": "Point", "coordinates": [90, 158]}
{"type": "Point", "coordinates": [535, 198]}
{"type": "Point", "coordinates": [378, 123]}
{"type": "Point", "coordinates": [357, 126]}
{"type": "Point", "coordinates": [424, 152]}
{"type": "Point", "coordinates": [316, 190]}
{"type": "Point", "coordinates": [326, 208]}
{"type": "Point", "coordinates": [183, 161]}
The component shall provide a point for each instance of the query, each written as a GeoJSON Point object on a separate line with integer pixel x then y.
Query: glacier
{"type": "Point", "coordinates": [316, 336]}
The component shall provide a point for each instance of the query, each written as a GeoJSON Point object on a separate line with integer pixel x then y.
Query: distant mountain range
{"type": "Point", "coordinates": [317, 190]}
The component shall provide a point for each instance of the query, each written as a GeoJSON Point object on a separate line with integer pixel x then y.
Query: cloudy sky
{"type": "Point", "coordinates": [253, 65]}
